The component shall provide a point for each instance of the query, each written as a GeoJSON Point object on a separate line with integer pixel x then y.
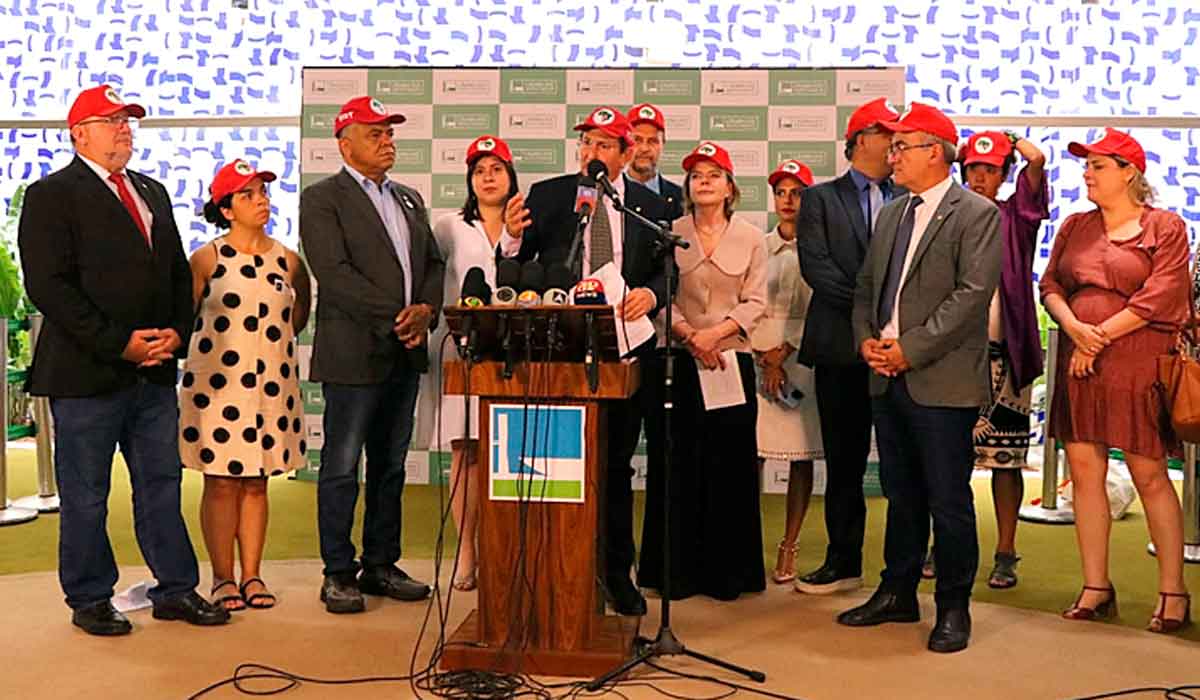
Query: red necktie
{"type": "Point", "coordinates": [127, 199]}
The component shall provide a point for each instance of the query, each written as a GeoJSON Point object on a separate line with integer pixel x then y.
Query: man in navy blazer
{"type": "Point", "coordinates": [543, 226]}
{"type": "Point", "coordinates": [833, 230]}
{"type": "Point", "coordinates": [379, 275]}
{"type": "Point", "coordinates": [648, 129]}
{"type": "Point", "coordinates": [104, 264]}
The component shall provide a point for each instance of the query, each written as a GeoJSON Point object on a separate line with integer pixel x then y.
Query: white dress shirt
{"type": "Point", "coordinates": [142, 207]}
{"type": "Point", "coordinates": [931, 199]}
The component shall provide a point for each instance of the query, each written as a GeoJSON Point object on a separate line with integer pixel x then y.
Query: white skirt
{"type": "Point", "coordinates": [787, 433]}
{"type": "Point", "coordinates": [440, 416]}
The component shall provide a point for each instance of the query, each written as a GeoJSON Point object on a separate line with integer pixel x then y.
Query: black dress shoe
{"type": "Point", "coordinates": [191, 607]}
{"type": "Point", "coordinates": [340, 594]}
{"type": "Point", "coordinates": [884, 606]}
{"type": "Point", "coordinates": [952, 631]}
{"type": "Point", "coordinates": [101, 619]}
{"type": "Point", "coordinates": [626, 599]}
{"type": "Point", "coordinates": [392, 582]}
{"type": "Point", "coordinates": [828, 579]}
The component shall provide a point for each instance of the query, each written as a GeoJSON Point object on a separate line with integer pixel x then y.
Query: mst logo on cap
{"type": "Point", "coordinates": [790, 167]}
{"type": "Point", "coordinates": [485, 144]}
{"type": "Point", "coordinates": [707, 149]}
{"type": "Point", "coordinates": [603, 116]}
{"type": "Point", "coordinates": [242, 167]}
{"type": "Point", "coordinates": [377, 107]}
{"type": "Point", "coordinates": [112, 96]}
{"type": "Point", "coordinates": [984, 145]}
{"type": "Point", "coordinates": [646, 112]}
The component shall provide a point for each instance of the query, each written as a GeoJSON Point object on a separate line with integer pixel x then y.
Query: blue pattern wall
{"type": "Point", "coordinates": [204, 58]}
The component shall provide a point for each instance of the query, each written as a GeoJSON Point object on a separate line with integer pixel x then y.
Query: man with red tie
{"type": "Point", "coordinates": [103, 262]}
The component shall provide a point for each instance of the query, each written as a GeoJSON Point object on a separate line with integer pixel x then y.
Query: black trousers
{"type": "Point", "coordinates": [926, 455]}
{"type": "Point", "coordinates": [844, 404]}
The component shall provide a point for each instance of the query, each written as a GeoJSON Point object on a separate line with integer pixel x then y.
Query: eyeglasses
{"type": "Point", "coordinates": [116, 121]}
{"type": "Point", "coordinates": [899, 148]}
{"type": "Point", "coordinates": [601, 146]}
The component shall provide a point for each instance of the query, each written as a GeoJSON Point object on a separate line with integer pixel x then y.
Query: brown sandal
{"type": "Point", "coordinates": [238, 602]}
{"type": "Point", "coordinates": [1103, 611]}
{"type": "Point", "coordinates": [253, 600]}
{"type": "Point", "coordinates": [1166, 625]}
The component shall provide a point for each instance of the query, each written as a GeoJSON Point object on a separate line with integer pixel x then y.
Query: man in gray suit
{"type": "Point", "coordinates": [920, 321]}
{"type": "Point", "coordinates": [379, 275]}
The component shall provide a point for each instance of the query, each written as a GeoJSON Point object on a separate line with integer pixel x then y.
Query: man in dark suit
{"type": "Point", "coordinates": [833, 230]}
{"type": "Point", "coordinates": [647, 128]}
{"type": "Point", "coordinates": [921, 322]}
{"type": "Point", "coordinates": [103, 262]}
{"type": "Point", "coordinates": [379, 275]}
{"type": "Point", "coordinates": [543, 226]}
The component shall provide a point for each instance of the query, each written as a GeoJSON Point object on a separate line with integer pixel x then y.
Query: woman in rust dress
{"type": "Point", "coordinates": [1117, 285]}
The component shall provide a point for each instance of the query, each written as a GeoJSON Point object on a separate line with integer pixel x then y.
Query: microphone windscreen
{"type": "Point", "coordinates": [533, 277]}
{"type": "Point", "coordinates": [590, 292]}
{"type": "Point", "coordinates": [559, 277]}
{"type": "Point", "coordinates": [475, 286]}
{"type": "Point", "coordinates": [508, 274]}
{"type": "Point", "coordinates": [596, 169]}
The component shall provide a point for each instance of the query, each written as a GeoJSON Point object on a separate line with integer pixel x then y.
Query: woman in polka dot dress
{"type": "Point", "coordinates": [240, 409]}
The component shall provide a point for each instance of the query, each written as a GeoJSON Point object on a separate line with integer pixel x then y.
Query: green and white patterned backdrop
{"type": "Point", "coordinates": [762, 116]}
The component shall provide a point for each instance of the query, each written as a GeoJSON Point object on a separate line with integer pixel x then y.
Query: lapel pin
{"type": "Point", "coordinates": [408, 201]}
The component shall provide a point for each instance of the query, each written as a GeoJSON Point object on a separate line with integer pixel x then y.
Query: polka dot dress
{"type": "Point", "coordinates": [240, 409]}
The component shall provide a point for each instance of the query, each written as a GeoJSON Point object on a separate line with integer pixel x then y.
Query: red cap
{"type": "Point", "coordinates": [927, 118]}
{"type": "Point", "coordinates": [990, 147]}
{"type": "Point", "coordinates": [707, 150]}
{"type": "Point", "coordinates": [870, 114]}
{"type": "Point", "coordinates": [1114, 143]}
{"type": "Point", "coordinates": [646, 113]}
{"type": "Point", "coordinates": [608, 120]}
{"type": "Point", "coordinates": [233, 176]}
{"type": "Point", "coordinates": [791, 168]}
{"type": "Point", "coordinates": [364, 110]}
{"type": "Point", "coordinates": [100, 101]}
{"type": "Point", "coordinates": [488, 145]}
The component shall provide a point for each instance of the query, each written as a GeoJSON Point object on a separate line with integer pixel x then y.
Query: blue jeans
{"type": "Point", "coordinates": [380, 418]}
{"type": "Point", "coordinates": [144, 420]}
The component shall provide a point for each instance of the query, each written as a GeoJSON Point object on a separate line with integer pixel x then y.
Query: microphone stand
{"type": "Point", "coordinates": [665, 643]}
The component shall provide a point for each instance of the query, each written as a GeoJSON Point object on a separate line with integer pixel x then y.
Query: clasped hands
{"type": "Point", "coordinates": [150, 347]}
{"type": "Point", "coordinates": [1089, 341]}
{"type": "Point", "coordinates": [885, 356]}
{"type": "Point", "coordinates": [412, 323]}
{"type": "Point", "coordinates": [704, 345]}
{"type": "Point", "coordinates": [771, 362]}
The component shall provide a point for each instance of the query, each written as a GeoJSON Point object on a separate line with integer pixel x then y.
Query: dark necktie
{"type": "Point", "coordinates": [127, 199]}
{"type": "Point", "coordinates": [600, 242]}
{"type": "Point", "coordinates": [891, 283]}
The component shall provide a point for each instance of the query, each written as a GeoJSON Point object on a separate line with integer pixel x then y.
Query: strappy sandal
{"type": "Point", "coordinates": [1004, 573]}
{"type": "Point", "coordinates": [254, 600]}
{"type": "Point", "coordinates": [232, 602]}
{"type": "Point", "coordinates": [929, 566]}
{"type": "Point", "coordinates": [783, 574]}
{"type": "Point", "coordinates": [1103, 611]}
{"type": "Point", "coordinates": [468, 582]}
{"type": "Point", "coordinates": [1166, 625]}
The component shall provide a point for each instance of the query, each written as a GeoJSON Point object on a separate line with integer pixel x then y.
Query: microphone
{"type": "Point", "coordinates": [533, 283]}
{"type": "Point", "coordinates": [590, 292]}
{"type": "Point", "coordinates": [508, 278]}
{"type": "Point", "coordinates": [599, 172]}
{"type": "Point", "coordinates": [475, 294]}
{"type": "Point", "coordinates": [558, 285]}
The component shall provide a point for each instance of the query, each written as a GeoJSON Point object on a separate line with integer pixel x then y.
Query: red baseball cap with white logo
{"type": "Point", "coordinates": [869, 115]}
{"type": "Point", "coordinates": [233, 176]}
{"type": "Point", "coordinates": [707, 150]}
{"type": "Point", "coordinates": [100, 101]}
{"type": "Point", "coordinates": [647, 113]}
{"type": "Point", "coordinates": [927, 118]}
{"type": "Point", "coordinates": [488, 145]}
{"type": "Point", "coordinates": [364, 110]}
{"type": "Point", "coordinates": [791, 168]}
{"type": "Point", "coordinates": [1114, 143]}
{"type": "Point", "coordinates": [608, 120]}
{"type": "Point", "coordinates": [990, 147]}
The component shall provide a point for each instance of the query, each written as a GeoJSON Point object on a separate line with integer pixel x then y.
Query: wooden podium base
{"type": "Point", "coordinates": [611, 647]}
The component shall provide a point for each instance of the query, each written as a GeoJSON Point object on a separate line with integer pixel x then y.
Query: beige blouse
{"type": "Point", "coordinates": [732, 283]}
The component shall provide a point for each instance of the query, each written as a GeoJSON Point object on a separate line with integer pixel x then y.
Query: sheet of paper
{"type": "Point", "coordinates": [629, 335]}
{"type": "Point", "coordinates": [722, 388]}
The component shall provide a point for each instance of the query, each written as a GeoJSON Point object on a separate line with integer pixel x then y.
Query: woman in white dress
{"type": "Point", "coordinates": [468, 239]}
{"type": "Point", "coordinates": [788, 426]}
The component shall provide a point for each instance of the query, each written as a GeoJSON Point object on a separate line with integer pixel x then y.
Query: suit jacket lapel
{"type": "Point", "coordinates": [416, 241]}
{"type": "Point", "coordinates": [362, 202]}
{"type": "Point", "coordinates": [885, 239]}
{"type": "Point", "coordinates": [110, 207]}
{"type": "Point", "coordinates": [848, 191]}
{"type": "Point", "coordinates": [945, 208]}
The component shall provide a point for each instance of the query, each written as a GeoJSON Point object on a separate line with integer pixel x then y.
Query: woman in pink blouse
{"type": "Point", "coordinates": [716, 529]}
{"type": "Point", "coordinates": [1117, 285]}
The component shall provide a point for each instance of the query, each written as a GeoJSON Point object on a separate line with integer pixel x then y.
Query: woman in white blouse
{"type": "Point", "coordinates": [468, 239]}
{"type": "Point", "coordinates": [788, 426]}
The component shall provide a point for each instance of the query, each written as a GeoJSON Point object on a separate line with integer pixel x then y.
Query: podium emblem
{"type": "Point", "coordinates": [538, 453]}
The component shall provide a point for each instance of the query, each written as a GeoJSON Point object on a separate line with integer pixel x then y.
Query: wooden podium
{"type": "Point", "coordinates": [540, 605]}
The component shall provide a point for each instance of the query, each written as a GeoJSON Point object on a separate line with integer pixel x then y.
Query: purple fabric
{"type": "Point", "coordinates": [1020, 218]}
